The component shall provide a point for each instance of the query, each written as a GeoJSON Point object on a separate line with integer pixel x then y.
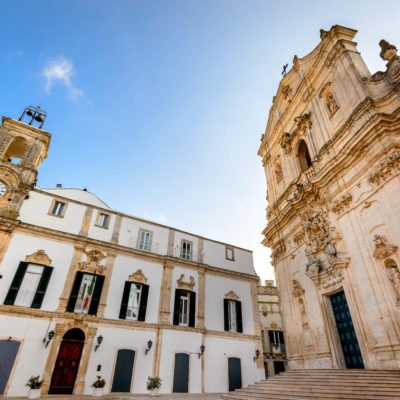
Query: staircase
{"type": "Point", "coordinates": [324, 384]}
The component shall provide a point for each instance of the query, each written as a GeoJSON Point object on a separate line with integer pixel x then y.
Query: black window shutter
{"type": "Point", "coordinates": [271, 337]}
{"type": "Point", "coordinates": [239, 316]}
{"type": "Point", "coordinates": [16, 283]}
{"type": "Point", "coordinates": [226, 316]}
{"type": "Point", "coordinates": [192, 309]}
{"type": "Point", "coordinates": [74, 292]}
{"type": "Point", "coordinates": [143, 303]}
{"type": "Point", "coordinates": [125, 299]}
{"type": "Point", "coordinates": [281, 338]}
{"type": "Point", "coordinates": [176, 306]}
{"type": "Point", "coordinates": [98, 287]}
{"type": "Point", "coordinates": [42, 287]}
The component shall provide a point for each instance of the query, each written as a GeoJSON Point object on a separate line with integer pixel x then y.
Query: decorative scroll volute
{"type": "Point", "coordinates": [186, 285]}
{"type": "Point", "coordinates": [39, 257]}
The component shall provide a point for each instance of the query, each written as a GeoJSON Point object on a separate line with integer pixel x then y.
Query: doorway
{"type": "Point", "coordinates": [8, 353]}
{"type": "Point", "coordinates": [181, 373]}
{"type": "Point", "coordinates": [123, 371]}
{"type": "Point", "coordinates": [67, 364]}
{"type": "Point", "coordinates": [347, 334]}
{"type": "Point", "coordinates": [234, 373]}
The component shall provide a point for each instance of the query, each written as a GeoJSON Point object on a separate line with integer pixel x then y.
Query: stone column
{"type": "Point", "coordinates": [76, 257]}
{"type": "Point", "coordinates": [107, 279]}
{"type": "Point", "coordinates": [165, 295]}
{"type": "Point", "coordinates": [86, 221]}
{"type": "Point", "coordinates": [201, 294]}
{"type": "Point", "coordinates": [87, 351]}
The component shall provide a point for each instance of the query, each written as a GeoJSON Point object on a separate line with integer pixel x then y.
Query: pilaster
{"type": "Point", "coordinates": [107, 279]}
{"type": "Point", "coordinates": [86, 221]}
{"type": "Point", "coordinates": [165, 295]}
{"type": "Point", "coordinates": [201, 295]}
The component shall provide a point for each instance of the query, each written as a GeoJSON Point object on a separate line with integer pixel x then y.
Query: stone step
{"type": "Point", "coordinates": [322, 386]}
{"type": "Point", "coordinates": [322, 390]}
{"type": "Point", "coordinates": [310, 381]}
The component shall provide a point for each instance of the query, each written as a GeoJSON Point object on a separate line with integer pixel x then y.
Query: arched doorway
{"type": "Point", "coordinates": [67, 364]}
{"type": "Point", "coordinates": [304, 156]}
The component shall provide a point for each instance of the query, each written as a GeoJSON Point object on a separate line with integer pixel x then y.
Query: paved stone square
{"type": "Point", "coordinates": [171, 396]}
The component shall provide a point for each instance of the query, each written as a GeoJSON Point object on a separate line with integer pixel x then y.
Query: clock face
{"type": "Point", "coordinates": [3, 189]}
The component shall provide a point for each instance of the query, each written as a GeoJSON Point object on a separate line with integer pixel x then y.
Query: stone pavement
{"type": "Point", "coordinates": [172, 396]}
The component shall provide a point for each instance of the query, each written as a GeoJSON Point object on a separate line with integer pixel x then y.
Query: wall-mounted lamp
{"type": "Point", "coordinates": [149, 344]}
{"type": "Point", "coordinates": [48, 338]}
{"type": "Point", "coordinates": [257, 355]}
{"type": "Point", "coordinates": [99, 341]}
{"type": "Point", "coordinates": [202, 348]}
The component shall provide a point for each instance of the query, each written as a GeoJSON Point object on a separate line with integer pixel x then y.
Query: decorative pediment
{"type": "Point", "coordinates": [382, 248]}
{"type": "Point", "coordinates": [40, 257]}
{"type": "Point", "coordinates": [138, 277]}
{"type": "Point", "coordinates": [92, 265]}
{"type": "Point", "coordinates": [232, 296]}
{"type": "Point", "coordinates": [186, 285]}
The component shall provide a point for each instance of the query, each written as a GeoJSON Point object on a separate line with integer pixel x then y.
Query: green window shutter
{"type": "Point", "coordinates": [192, 309]}
{"type": "Point", "coordinates": [176, 306]}
{"type": "Point", "coordinates": [143, 303]}
{"type": "Point", "coordinates": [42, 287]}
{"type": "Point", "coordinates": [125, 299]}
{"type": "Point", "coordinates": [226, 316]}
{"type": "Point", "coordinates": [16, 283]}
{"type": "Point", "coordinates": [239, 316]}
{"type": "Point", "coordinates": [98, 287]}
{"type": "Point", "coordinates": [74, 292]}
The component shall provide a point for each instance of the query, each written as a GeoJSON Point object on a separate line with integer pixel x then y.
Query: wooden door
{"type": "Point", "coordinates": [234, 373]}
{"type": "Point", "coordinates": [8, 353]}
{"type": "Point", "coordinates": [181, 373]}
{"type": "Point", "coordinates": [347, 334]}
{"type": "Point", "coordinates": [66, 368]}
{"type": "Point", "coordinates": [123, 371]}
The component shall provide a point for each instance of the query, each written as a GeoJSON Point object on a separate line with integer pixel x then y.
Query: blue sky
{"type": "Point", "coordinates": [158, 106]}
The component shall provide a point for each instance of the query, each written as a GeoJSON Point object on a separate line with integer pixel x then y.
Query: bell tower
{"type": "Point", "coordinates": [23, 147]}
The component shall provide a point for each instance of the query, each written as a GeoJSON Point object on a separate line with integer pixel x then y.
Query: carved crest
{"type": "Point", "coordinates": [186, 285]}
{"type": "Point", "coordinates": [382, 248]}
{"type": "Point", "coordinates": [138, 277]}
{"type": "Point", "coordinates": [232, 296]}
{"type": "Point", "coordinates": [94, 258]}
{"type": "Point", "coordinates": [40, 257]}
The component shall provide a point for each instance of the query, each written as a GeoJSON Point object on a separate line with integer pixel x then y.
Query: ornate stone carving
{"type": "Point", "coordinates": [138, 277]}
{"type": "Point", "coordinates": [278, 169]}
{"type": "Point", "coordinates": [278, 250]}
{"type": "Point", "coordinates": [342, 203]}
{"type": "Point", "coordinates": [92, 265]}
{"type": "Point", "coordinates": [39, 257]}
{"type": "Point", "coordinates": [388, 51]}
{"type": "Point", "coordinates": [382, 248]}
{"type": "Point", "coordinates": [186, 285]}
{"type": "Point", "coordinates": [330, 102]}
{"type": "Point", "coordinates": [232, 296]}
{"type": "Point", "coordinates": [313, 266]}
{"type": "Point", "coordinates": [287, 92]}
{"type": "Point", "coordinates": [303, 123]}
{"type": "Point", "coordinates": [393, 274]}
{"type": "Point", "coordinates": [317, 230]}
{"type": "Point", "coordinates": [331, 276]}
{"type": "Point", "coordinates": [385, 168]}
{"type": "Point", "coordinates": [299, 237]}
{"type": "Point", "coordinates": [297, 289]}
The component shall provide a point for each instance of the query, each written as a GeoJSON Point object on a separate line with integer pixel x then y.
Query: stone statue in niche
{"type": "Point", "coordinates": [331, 102]}
{"type": "Point", "coordinates": [331, 250]}
{"type": "Point", "coordinates": [278, 169]}
{"type": "Point", "coordinates": [394, 277]}
{"type": "Point", "coordinates": [313, 265]}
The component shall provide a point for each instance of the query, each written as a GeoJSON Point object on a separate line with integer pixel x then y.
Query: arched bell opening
{"type": "Point", "coordinates": [304, 156]}
{"type": "Point", "coordinates": [16, 150]}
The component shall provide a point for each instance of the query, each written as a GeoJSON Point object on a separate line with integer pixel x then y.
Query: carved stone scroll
{"type": "Point", "coordinates": [39, 257]}
{"type": "Point", "coordinates": [186, 285]}
{"type": "Point", "coordinates": [232, 296]}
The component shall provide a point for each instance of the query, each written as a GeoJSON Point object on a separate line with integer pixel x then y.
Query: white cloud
{"type": "Point", "coordinates": [60, 71]}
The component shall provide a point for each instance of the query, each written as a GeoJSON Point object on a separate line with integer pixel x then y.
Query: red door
{"type": "Point", "coordinates": [66, 368]}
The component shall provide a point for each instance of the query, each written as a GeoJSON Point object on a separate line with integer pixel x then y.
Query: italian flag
{"type": "Point", "coordinates": [89, 292]}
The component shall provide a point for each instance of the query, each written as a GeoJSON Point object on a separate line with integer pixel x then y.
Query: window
{"type": "Point", "coordinates": [233, 316]}
{"type": "Point", "coordinates": [185, 308]}
{"type": "Point", "coordinates": [29, 285]}
{"type": "Point", "coordinates": [276, 341]}
{"type": "Point", "coordinates": [304, 156]}
{"type": "Point", "coordinates": [186, 250]}
{"type": "Point", "coordinates": [229, 255]}
{"type": "Point", "coordinates": [144, 240]}
{"type": "Point", "coordinates": [103, 220]}
{"type": "Point", "coordinates": [85, 293]}
{"type": "Point", "coordinates": [57, 208]}
{"type": "Point", "coordinates": [134, 301]}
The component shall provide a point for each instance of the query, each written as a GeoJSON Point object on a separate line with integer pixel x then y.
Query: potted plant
{"type": "Point", "coordinates": [98, 386]}
{"type": "Point", "coordinates": [34, 387]}
{"type": "Point", "coordinates": [153, 385]}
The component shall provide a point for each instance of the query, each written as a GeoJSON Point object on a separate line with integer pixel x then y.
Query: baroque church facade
{"type": "Point", "coordinates": [86, 290]}
{"type": "Point", "coordinates": [331, 154]}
